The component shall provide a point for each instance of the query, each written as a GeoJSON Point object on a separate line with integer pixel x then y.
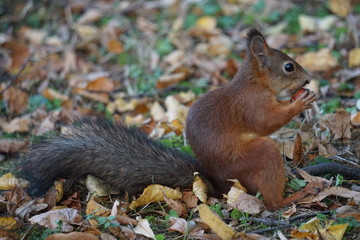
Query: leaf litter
{"type": "Point", "coordinates": [148, 72]}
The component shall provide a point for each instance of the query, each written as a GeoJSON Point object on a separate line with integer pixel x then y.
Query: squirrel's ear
{"type": "Point", "coordinates": [257, 45]}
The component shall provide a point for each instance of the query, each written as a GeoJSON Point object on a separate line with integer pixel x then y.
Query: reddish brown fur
{"type": "Point", "coordinates": [228, 127]}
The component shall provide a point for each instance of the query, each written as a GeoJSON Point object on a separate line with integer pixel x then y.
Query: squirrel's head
{"type": "Point", "coordinates": [282, 72]}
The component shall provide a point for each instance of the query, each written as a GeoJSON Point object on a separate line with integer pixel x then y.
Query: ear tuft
{"type": "Point", "coordinates": [252, 33]}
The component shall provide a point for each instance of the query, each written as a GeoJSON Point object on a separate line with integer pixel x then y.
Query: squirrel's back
{"type": "Point", "coordinates": [124, 157]}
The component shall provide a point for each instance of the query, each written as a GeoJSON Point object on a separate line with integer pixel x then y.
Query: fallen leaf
{"type": "Point", "coordinates": [355, 120]}
{"type": "Point", "coordinates": [11, 146]}
{"type": "Point", "coordinates": [157, 112]}
{"type": "Point", "coordinates": [10, 223]}
{"type": "Point", "coordinates": [6, 235]}
{"type": "Point", "coordinates": [335, 232]}
{"type": "Point", "coordinates": [200, 189]}
{"type": "Point", "coordinates": [340, 7]}
{"type": "Point", "coordinates": [175, 110]}
{"type": "Point", "coordinates": [178, 225]}
{"type": "Point", "coordinates": [72, 236]}
{"type": "Point", "coordinates": [298, 156]}
{"type": "Point", "coordinates": [19, 124]}
{"type": "Point", "coordinates": [50, 219]}
{"type": "Point", "coordinates": [91, 15]}
{"type": "Point", "coordinates": [8, 181]}
{"type": "Point", "coordinates": [52, 94]}
{"type": "Point", "coordinates": [334, 191]}
{"type": "Point", "coordinates": [170, 79]}
{"type": "Point", "coordinates": [17, 100]}
{"type": "Point", "coordinates": [354, 57]}
{"type": "Point", "coordinates": [96, 209]}
{"type": "Point", "coordinates": [143, 228]}
{"type": "Point", "coordinates": [125, 220]}
{"type": "Point", "coordinates": [245, 202]}
{"type": "Point", "coordinates": [115, 46]}
{"type": "Point", "coordinates": [176, 206]}
{"type": "Point", "coordinates": [206, 23]}
{"type": "Point", "coordinates": [313, 24]}
{"type": "Point", "coordinates": [340, 124]}
{"type": "Point", "coordinates": [155, 193]}
{"type": "Point", "coordinates": [99, 187]}
{"type": "Point", "coordinates": [291, 211]}
{"type": "Point", "coordinates": [321, 60]}
{"type": "Point", "coordinates": [215, 223]}
{"type": "Point", "coordinates": [101, 84]}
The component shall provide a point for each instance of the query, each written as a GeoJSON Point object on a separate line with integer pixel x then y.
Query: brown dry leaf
{"type": "Point", "coordinates": [291, 211]}
{"type": "Point", "coordinates": [244, 202]}
{"type": "Point", "coordinates": [50, 219]}
{"type": "Point", "coordinates": [170, 79]}
{"type": "Point", "coordinates": [10, 223]}
{"type": "Point", "coordinates": [96, 209]}
{"type": "Point", "coordinates": [354, 57]}
{"type": "Point", "coordinates": [6, 235]}
{"type": "Point", "coordinates": [334, 191]}
{"type": "Point", "coordinates": [19, 124]}
{"type": "Point", "coordinates": [311, 178]}
{"type": "Point", "coordinates": [340, 7]}
{"type": "Point", "coordinates": [321, 60]}
{"type": "Point", "coordinates": [99, 187]}
{"type": "Point", "coordinates": [11, 146]}
{"type": "Point", "coordinates": [190, 199]}
{"type": "Point", "coordinates": [8, 181]}
{"type": "Point", "coordinates": [99, 97]}
{"type": "Point", "coordinates": [178, 225]}
{"type": "Point", "coordinates": [101, 84]}
{"type": "Point", "coordinates": [355, 120]}
{"type": "Point", "coordinates": [50, 198]}
{"type": "Point", "coordinates": [73, 201]}
{"type": "Point", "coordinates": [19, 54]}
{"type": "Point", "coordinates": [16, 100]}
{"type": "Point", "coordinates": [72, 236]}
{"type": "Point", "coordinates": [340, 124]}
{"type": "Point", "coordinates": [52, 94]}
{"type": "Point", "coordinates": [155, 193]}
{"type": "Point", "coordinates": [176, 206]}
{"type": "Point", "coordinates": [143, 228]}
{"type": "Point", "coordinates": [125, 220]}
{"type": "Point", "coordinates": [200, 189]}
{"type": "Point", "coordinates": [115, 46]}
{"type": "Point", "coordinates": [215, 223]}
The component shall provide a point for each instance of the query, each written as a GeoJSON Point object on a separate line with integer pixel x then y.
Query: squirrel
{"type": "Point", "coordinates": [227, 129]}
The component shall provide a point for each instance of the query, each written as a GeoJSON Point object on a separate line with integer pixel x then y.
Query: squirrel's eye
{"type": "Point", "coordinates": [289, 67]}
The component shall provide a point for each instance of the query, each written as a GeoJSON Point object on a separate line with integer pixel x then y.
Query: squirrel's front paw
{"type": "Point", "coordinates": [304, 101]}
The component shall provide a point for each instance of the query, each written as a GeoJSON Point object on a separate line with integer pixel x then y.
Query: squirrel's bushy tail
{"type": "Point", "coordinates": [124, 157]}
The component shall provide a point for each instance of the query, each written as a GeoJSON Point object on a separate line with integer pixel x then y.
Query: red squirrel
{"type": "Point", "coordinates": [227, 129]}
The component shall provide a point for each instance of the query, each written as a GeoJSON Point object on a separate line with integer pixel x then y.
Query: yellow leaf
{"type": "Point", "coordinates": [334, 232]}
{"type": "Point", "coordinates": [312, 225]}
{"type": "Point", "coordinates": [155, 193]}
{"type": "Point", "coordinates": [59, 187]}
{"type": "Point", "coordinates": [340, 7]}
{"type": "Point", "coordinates": [200, 189]}
{"type": "Point", "coordinates": [8, 181]}
{"type": "Point", "coordinates": [300, 234]}
{"type": "Point", "coordinates": [206, 23]}
{"type": "Point", "coordinates": [9, 223]}
{"type": "Point", "coordinates": [215, 223]}
{"type": "Point", "coordinates": [354, 57]}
